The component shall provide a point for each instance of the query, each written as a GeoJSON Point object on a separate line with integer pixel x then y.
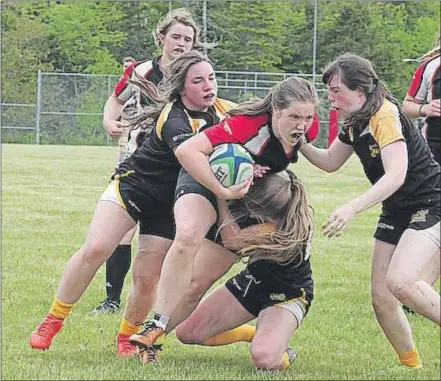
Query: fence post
{"type": "Point", "coordinates": [38, 108]}
{"type": "Point", "coordinates": [109, 93]}
{"type": "Point", "coordinates": [314, 45]}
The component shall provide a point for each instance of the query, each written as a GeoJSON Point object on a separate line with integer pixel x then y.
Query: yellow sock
{"type": "Point", "coordinates": [60, 309]}
{"type": "Point", "coordinates": [285, 359]}
{"type": "Point", "coordinates": [410, 359]}
{"type": "Point", "coordinates": [243, 333]}
{"type": "Point", "coordinates": [127, 328]}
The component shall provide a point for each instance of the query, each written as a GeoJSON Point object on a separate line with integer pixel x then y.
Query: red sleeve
{"type": "Point", "coordinates": [314, 130]}
{"type": "Point", "coordinates": [124, 80]}
{"type": "Point", "coordinates": [236, 129]}
{"type": "Point", "coordinates": [417, 80]}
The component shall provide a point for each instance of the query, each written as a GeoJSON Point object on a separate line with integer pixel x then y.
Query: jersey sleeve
{"type": "Point", "coordinates": [387, 130]}
{"type": "Point", "coordinates": [344, 137]}
{"type": "Point", "coordinates": [123, 89]}
{"type": "Point", "coordinates": [175, 131]}
{"type": "Point", "coordinates": [418, 86]}
{"type": "Point", "coordinates": [386, 125]}
{"type": "Point", "coordinates": [236, 129]}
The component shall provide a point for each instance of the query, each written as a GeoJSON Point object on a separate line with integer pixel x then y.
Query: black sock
{"type": "Point", "coordinates": [117, 267]}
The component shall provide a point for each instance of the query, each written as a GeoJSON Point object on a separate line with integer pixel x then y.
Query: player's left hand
{"type": "Point", "coordinates": [338, 220]}
{"type": "Point", "coordinates": [259, 171]}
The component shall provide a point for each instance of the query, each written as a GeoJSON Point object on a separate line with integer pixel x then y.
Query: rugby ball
{"type": "Point", "coordinates": [231, 164]}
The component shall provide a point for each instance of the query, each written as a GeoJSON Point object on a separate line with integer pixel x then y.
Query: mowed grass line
{"type": "Point", "coordinates": [49, 195]}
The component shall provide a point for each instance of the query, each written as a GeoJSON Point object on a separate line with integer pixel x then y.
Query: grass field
{"type": "Point", "coordinates": [48, 198]}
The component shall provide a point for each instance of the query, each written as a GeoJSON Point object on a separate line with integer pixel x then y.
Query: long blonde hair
{"type": "Point", "coordinates": [281, 199]}
{"type": "Point", "coordinates": [281, 96]}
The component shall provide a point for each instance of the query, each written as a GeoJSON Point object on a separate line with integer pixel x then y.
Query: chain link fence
{"type": "Point", "coordinates": [68, 109]}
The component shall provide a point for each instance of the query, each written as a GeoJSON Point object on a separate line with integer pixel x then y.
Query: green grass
{"type": "Point", "coordinates": [49, 194]}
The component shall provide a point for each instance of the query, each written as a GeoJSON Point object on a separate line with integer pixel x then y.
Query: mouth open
{"type": "Point", "coordinates": [179, 50]}
{"type": "Point", "coordinates": [296, 135]}
{"type": "Point", "coordinates": [209, 96]}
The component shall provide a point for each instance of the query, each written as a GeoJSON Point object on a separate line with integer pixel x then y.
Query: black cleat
{"type": "Point", "coordinates": [107, 306]}
{"type": "Point", "coordinates": [292, 355]}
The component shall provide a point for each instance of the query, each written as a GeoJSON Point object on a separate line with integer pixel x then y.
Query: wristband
{"type": "Point", "coordinates": [419, 111]}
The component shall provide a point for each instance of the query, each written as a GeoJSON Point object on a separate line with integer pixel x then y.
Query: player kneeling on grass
{"type": "Point", "coordinates": [271, 226]}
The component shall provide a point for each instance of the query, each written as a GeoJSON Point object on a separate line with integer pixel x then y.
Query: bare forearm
{"type": "Point", "coordinates": [412, 109]}
{"type": "Point", "coordinates": [317, 156]}
{"type": "Point", "coordinates": [382, 189]}
{"type": "Point", "coordinates": [112, 109]}
{"type": "Point", "coordinates": [197, 165]}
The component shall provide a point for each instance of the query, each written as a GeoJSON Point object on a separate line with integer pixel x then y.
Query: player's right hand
{"type": "Point", "coordinates": [237, 191]}
{"type": "Point", "coordinates": [114, 128]}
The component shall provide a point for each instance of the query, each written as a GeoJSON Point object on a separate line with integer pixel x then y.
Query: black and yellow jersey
{"type": "Point", "coordinates": [387, 125]}
{"type": "Point", "coordinates": [153, 167]}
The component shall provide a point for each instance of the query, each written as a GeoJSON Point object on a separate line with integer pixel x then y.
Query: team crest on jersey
{"type": "Point", "coordinates": [374, 149]}
{"type": "Point", "coordinates": [278, 297]}
{"type": "Point", "coordinates": [420, 216]}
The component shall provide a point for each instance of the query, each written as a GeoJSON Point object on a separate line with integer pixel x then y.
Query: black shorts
{"type": "Point", "coordinates": [187, 184]}
{"type": "Point", "coordinates": [392, 225]}
{"type": "Point", "coordinates": [154, 216]}
{"type": "Point", "coordinates": [435, 147]}
{"type": "Point", "coordinates": [255, 295]}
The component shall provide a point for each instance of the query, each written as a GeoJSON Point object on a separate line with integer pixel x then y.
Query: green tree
{"type": "Point", "coordinates": [251, 34]}
{"type": "Point", "coordinates": [81, 37]}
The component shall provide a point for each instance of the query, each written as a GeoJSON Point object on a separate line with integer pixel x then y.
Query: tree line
{"type": "Point", "coordinates": [94, 36]}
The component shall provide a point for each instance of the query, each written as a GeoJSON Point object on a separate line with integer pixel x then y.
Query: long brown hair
{"type": "Point", "coordinates": [167, 91]}
{"type": "Point", "coordinates": [281, 96]}
{"type": "Point", "coordinates": [281, 199]}
{"type": "Point", "coordinates": [357, 73]}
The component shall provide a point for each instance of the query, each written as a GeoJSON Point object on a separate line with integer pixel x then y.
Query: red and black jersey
{"type": "Point", "coordinates": [149, 69]}
{"type": "Point", "coordinates": [426, 86]}
{"type": "Point", "coordinates": [255, 133]}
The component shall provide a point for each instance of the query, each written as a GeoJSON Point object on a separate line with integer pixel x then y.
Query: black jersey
{"type": "Point", "coordinates": [283, 276]}
{"type": "Point", "coordinates": [153, 167]}
{"type": "Point", "coordinates": [421, 187]}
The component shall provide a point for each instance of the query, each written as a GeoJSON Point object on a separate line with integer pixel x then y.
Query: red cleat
{"type": "Point", "coordinates": [123, 348]}
{"type": "Point", "coordinates": [42, 336]}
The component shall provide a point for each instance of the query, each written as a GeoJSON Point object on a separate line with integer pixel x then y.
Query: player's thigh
{"type": "Point", "coordinates": [211, 263]}
{"type": "Point", "coordinates": [109, 225]}
{"type": "Point", "coordinates": [195, 207]}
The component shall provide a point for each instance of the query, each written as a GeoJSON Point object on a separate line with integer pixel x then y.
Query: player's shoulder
{"type": "Point", "coordinates": [224, 105]}
{"type": "Point", "coordinates": [143, 67]}
{"type": "Point", "coordinates": [387, 110]}
{"type": "Point", "coordinates": [251, 120]}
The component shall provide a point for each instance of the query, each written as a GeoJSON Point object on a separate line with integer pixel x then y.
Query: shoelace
{"type": "Point", "coordinates": [149, 355]}
{"type": "Point", "coordinates": [148, 327]}
{"type": "Point", "coordinates": [46, 328]}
